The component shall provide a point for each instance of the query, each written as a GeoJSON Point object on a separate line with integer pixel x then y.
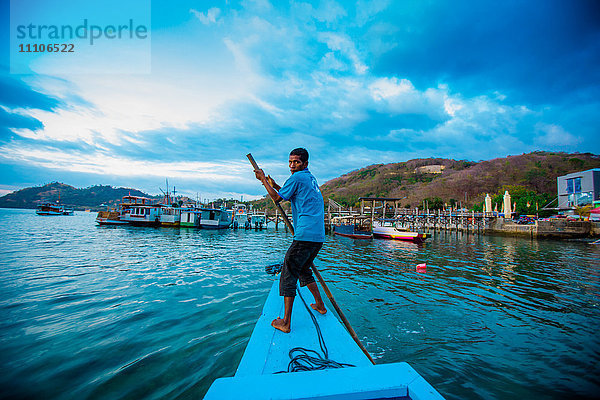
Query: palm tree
{"type": "Point", "coordinates": [584, 212]}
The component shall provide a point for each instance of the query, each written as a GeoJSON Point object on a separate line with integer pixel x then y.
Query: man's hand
{"type": "Point", "coordinates": [273, 183]}
{"type": "Point", "coordinates": [260, 174]}
{"type": "Point", "coordinates": [269, 184]}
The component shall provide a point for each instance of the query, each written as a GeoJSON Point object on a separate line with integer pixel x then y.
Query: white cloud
{"type": "Point", "coordinates": [103, 164]}
{"type": "Point", "coordinates": [555, 137]}
{"type": "Point", "coordinates": [367, 9]}
{"type": "Point", "coordinates": [329, 11]}
{"type": "Point", "coordinates": [210, 17]}
{"type": "Point", "coordinates": [342, 44]}
{"type": "Point", "coordinates": [386, 88]}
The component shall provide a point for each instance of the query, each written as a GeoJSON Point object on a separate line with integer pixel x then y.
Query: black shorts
{"type": "Point", "coordinates": [296, 266]}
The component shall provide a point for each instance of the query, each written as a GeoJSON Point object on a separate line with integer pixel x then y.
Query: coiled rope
{"type": "Point", "coordinates": [302, 359]}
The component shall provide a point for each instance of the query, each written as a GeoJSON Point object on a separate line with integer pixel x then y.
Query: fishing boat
{"type": "Point", "coordinates": [143, 215]}
{"type": "Point", "coordinates": [121, 216]}
{"type": "Point", "coordinates": [355, 227]}
{"type": "Point", "coordinates": [52, 209]}
{"type": "Point", "coordinates": [258, 220]}
{"type": "Point", "coordinates": [259, 373]}
{"type": "Point", "coordinates": [213, 218]}
{"type": "Point", "coordinates": [241, 217]}
{"type": "Point", "coordinates": [139, 211]}
{"type": "Point", "coordinates": [388, 229]}
{"type": "Point", "coordinates": [190, 217]}
{"type": "Point", "coordinates": [109, 218]}
{"type": "Point", "coordinates": [169, 215]}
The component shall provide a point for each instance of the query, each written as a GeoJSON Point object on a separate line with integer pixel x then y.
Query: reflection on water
{"type": "Point", "coordinates": [124, 312]}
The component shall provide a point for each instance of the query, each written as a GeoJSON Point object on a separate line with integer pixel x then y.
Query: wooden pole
{"type": "Point", "coordinates": [320, 278]}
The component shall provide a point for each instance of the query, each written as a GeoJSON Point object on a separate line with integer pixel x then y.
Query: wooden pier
{"type": "Point", "coordinates": [276, 219]}
{"type": "Point", "coordinates": [413, 218]}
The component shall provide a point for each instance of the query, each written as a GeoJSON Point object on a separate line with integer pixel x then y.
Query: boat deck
{"type": "Point", "coordinates": [268, 349]}
{"type": "Point", "coordinates": [267, 354]}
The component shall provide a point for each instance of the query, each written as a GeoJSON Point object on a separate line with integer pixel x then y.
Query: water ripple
{"type": "Point", "coordinates": [125, 312]}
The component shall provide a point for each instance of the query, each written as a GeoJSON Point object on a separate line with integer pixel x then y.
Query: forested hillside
{"type": "Point", "coordinates": [465, 182]}
{"type": "Point", "coordinates": [88, 198]}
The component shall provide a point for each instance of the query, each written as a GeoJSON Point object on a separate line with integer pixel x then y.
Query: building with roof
{"type": "Point", "coordinates": [578, 189]}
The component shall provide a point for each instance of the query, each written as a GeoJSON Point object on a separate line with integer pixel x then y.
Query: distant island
{"type": "Point", "coordinates": [93, 198]}
{"type": "Point", "coordinates": [434, 182]}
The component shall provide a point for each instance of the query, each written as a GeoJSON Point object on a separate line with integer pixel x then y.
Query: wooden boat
{"type": "Point", "coordinates": [213, 218]}
{"type": "Point", "coordinates": [52, 209]}
{"type": "Point", "coordinates": [169, 215]}
{"type": "Point", "coordinates": [140, 211]}
{"type": "Point", "coordinates": [109, 218]}
{"type": "Point", "coordinates": [190, 218]}
{"type": "Point", "coordinates": [267, 354]}
{"type": "Point", "coordinates": [386, 229]}
{"type": "Point", "coordinates": [355, 227]}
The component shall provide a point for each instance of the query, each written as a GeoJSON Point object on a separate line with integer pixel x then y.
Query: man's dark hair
{"type": "Point", "coordinates": [302, 152]}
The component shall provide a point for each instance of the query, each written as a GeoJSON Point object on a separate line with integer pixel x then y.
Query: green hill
{"type": "Point", "coordinates": [454, 181]}
{"type": "Point", "coordinates": [79, 199]}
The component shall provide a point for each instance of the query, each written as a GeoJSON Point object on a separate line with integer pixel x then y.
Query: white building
{"type": "Point", "coordinates": [578, 189]}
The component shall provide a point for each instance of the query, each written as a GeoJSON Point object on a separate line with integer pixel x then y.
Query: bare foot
{"type": "Point", "coordinates": [279, 324]}
{"type": "Point", "coordinates": [321, 310]}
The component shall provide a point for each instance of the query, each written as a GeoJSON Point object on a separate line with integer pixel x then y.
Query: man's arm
{"type": "Point", "coordinates": [260, 175]}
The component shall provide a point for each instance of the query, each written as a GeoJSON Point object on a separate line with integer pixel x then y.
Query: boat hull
{"type": "Point", "coordinates": [213, 227]}
{"type": "Point", "coordinates": [171, 224]}
{"type": "Point", "coordinates": [414, 239]}
{"type": "Point", "coordinates": [107, 221]}
{"type": "Point", "coordinates": [349, 230]}
{"type": "Point", "coordinates": [354, 235]}
{"type": "Point", "coordinates": [391, 233]}
{"type": "Point", "coordinates": [48, 213]}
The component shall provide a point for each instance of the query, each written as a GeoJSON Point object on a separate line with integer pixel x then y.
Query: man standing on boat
{"type": "Point", "coordinates": [308, 216]}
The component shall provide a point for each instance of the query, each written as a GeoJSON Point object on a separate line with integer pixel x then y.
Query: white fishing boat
{"type": "Point", "coordinates": [190, 217]}
{"type": "Point", "coordinates": [387, 229]}
{"type": "Point", "coordinates": [52, 209]}
{"type": "Point", "coordinates": [241, 217]}
{"type": "Point", "coordinates": [118, 217]}
{"type": "Point", "coordinates": [139, 211]}
{"type": "Point", "coordinates": [170, 216]}
{"type": "Point", "coordinates": [213, 218]}
{"type": "Point", "coordinates": [258, 220]}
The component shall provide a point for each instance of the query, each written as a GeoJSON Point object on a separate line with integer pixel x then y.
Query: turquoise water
{"type": "Point", "coordinates": [91, 312]}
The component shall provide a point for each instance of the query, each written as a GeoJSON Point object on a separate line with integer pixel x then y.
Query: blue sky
{"type": "Point", "coordinates": [356, 83]}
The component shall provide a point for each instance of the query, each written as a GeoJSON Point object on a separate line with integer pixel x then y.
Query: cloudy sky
{"type": "Point", "coordinates": [356, 83]}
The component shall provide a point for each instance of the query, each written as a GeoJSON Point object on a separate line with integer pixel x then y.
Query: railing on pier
{"type": "Point", "coordinates": [412, 218]}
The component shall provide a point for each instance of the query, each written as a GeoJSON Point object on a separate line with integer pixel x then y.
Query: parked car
{"type": "Point", "coordinates": [525, 220]}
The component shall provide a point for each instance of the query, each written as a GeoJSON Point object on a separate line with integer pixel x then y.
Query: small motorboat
{"type": "Point", "coordinates": [387, 229]}
{"type": "Point", "coordinates": [52, 209]}
{"type": "Point", "coordinates": [355, 227]}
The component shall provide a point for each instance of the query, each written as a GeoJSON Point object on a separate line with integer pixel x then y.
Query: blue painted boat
{"type": "Point", "coordinates": [355, 227]}
{"type": "Point", "coordinates": [267, 354]}
{"type": "Point", "coordinates": [213, 218]}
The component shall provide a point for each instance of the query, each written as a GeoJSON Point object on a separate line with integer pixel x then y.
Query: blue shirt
{"type": "Point", "coordinates": [308, 211]}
